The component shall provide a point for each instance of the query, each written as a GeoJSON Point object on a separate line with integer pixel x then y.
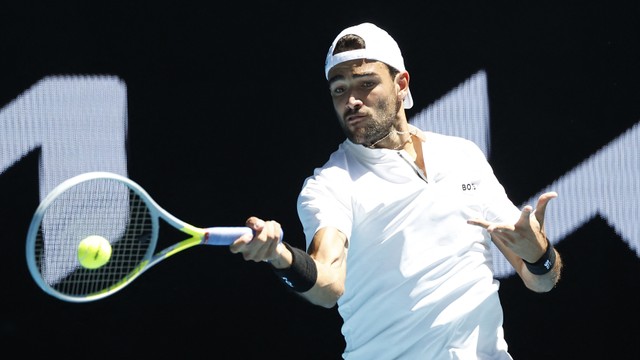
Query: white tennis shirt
{"type": "Point", "coordinates": [419, 279]}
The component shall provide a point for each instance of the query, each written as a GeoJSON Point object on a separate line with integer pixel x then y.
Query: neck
{"type": "Point", "coordinates": [407, 139]}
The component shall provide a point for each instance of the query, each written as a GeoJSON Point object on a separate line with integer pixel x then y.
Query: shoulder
{"type": "Point", "coordinates": [451, 143]}
{"type": "Point", "coordinates": [335, 169]}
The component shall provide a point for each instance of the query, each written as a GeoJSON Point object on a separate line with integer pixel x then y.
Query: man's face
{"type": "Point", "coordinates": [365, 98]}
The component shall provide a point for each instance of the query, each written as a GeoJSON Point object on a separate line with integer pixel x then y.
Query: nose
{"type": "Point", "coordinates": [353, 103]}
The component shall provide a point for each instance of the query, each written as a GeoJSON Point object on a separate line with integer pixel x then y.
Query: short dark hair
{"type": "Point", "coordinates": [354, 42]}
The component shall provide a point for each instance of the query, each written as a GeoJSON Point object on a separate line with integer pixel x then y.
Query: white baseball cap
{"type": "Point", "coordinates": [379, 45]}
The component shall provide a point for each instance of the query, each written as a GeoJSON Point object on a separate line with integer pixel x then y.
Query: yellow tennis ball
{"type": "Point", "coordinates": [94, 251]}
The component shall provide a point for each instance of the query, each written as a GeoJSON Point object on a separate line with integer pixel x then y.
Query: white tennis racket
{"type": "Point", "coordinates": [118, 210]}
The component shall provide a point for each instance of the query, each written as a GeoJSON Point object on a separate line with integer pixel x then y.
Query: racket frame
{"type": "Point", "coordinates": [197, 236]}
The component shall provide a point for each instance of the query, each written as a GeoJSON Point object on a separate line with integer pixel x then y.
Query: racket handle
{"type": "Point", "coordinates": [227, 235]}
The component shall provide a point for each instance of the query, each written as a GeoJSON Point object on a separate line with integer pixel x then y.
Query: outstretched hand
{"type": "Point", "coordinates": [263, 246]}
{"type": "Point", "coordinates": [526, 237]}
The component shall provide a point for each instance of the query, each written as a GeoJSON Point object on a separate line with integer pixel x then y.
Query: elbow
{"type": "Point", "coordinates": [327, 304]}
{"type": "Point", "coordinates": [541, 287]}
{"type": "Point", "coordinates": [326, 297]}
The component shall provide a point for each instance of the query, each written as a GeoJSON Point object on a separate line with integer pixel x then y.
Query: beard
{"type": "Point", "coordinates": [377, 127]}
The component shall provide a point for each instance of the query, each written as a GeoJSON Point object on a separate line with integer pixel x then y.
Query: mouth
{"type": "Point", "coordinates": [354, 118]}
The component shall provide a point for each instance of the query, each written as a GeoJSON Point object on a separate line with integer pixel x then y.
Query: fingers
{"type": "Point", "coordinates": [525, 214]}
{"type": "Point", "coordinates": [240, 244]}
{"type": "Point", "coordinates": [263, 245]}
{"type": "Point", "coordinates": [491, 227]}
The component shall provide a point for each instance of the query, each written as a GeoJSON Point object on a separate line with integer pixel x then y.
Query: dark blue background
{"type": "Point", "coordinates": [229, 112]}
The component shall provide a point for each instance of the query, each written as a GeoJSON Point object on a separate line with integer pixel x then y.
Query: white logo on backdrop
{"type": "Point", "coordinates": [605, 184]}
{"type": "Point", "coordinates": [80, 124]}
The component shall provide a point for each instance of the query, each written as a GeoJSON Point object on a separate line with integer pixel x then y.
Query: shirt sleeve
{"type": "Point", "coordinates": [324, 201]}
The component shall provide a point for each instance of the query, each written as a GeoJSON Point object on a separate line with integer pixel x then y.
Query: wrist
{"type": "Point", "coordinates": [283, 259]}
{"type": "Point", "coordinates": [545, 263]}
{"type": "Point", "coordinates": [302, 273]}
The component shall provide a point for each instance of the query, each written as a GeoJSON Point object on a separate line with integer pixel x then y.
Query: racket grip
{"type": "Point", "coordinates": [227, 235]}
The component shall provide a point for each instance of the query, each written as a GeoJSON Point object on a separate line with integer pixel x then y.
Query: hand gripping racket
{"type": "Point", "coordinates": [116, 209]}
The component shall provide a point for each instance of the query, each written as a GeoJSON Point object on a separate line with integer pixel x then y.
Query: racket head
{"type": "Point", "coordinates": [94, 203]}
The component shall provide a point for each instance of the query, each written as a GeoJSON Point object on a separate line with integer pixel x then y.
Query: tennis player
{"type": "Point", "coordinates": [399, 223]}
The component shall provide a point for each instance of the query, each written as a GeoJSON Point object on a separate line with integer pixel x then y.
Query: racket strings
{"type": "Point", "coordinates": [105, 207]}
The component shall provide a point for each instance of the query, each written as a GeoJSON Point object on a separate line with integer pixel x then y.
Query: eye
{"type": "Point", "coordinates": [337, 90]}
{"type": "Point", "coordinates": [368, 84]}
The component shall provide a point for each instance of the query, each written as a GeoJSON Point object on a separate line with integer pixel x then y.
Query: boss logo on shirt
{"type": "Point", "coordinates": [469, 187]}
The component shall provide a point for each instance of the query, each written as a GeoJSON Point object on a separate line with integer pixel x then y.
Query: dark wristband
{"type": "Point", "coordinates": [545, 263]}
{"type": "Point", "coordinates": [302, 274]}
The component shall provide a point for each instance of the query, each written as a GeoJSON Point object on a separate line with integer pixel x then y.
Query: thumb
{"type": "Point", "coordinates": [541, 207]}
{"type": "Point", "coordinates": [255, 223]}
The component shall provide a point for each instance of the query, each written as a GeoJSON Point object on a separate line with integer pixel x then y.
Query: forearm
{"type": "Point", "coordinates": [328, 288]}
{"type": "Point", "coordinates": [318, 279]}
{"type": "Point", "coordinates": [544, 277]}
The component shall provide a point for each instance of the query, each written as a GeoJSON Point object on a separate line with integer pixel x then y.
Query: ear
{"type": "Point", "coordinates": [402, 82]}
